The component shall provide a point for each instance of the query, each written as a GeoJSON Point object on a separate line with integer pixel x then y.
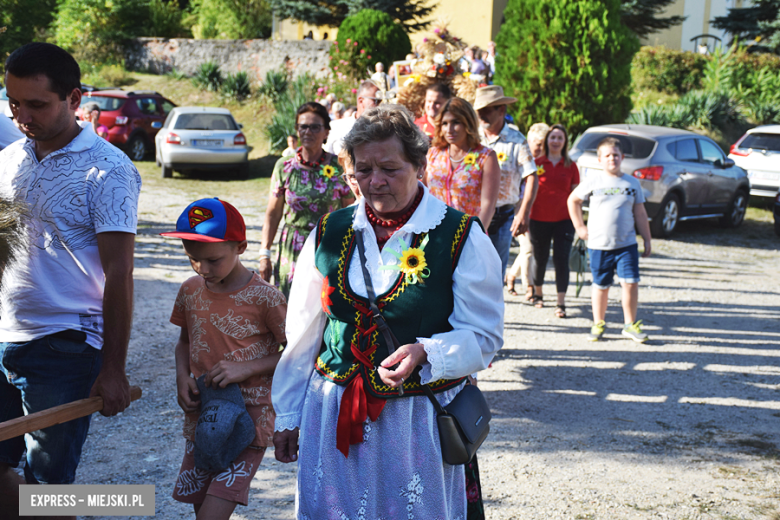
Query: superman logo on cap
{"type": "Point", "coordinates": [198, 215]}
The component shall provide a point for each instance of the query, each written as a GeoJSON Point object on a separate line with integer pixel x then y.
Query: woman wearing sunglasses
{"type": "Point", "coordinates": [303, 188]}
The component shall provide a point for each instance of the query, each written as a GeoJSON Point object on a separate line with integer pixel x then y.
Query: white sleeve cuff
{"type": "Point", "coordinates": [288, 421]}
{"type": "Point", "coordinates": [433, 369]}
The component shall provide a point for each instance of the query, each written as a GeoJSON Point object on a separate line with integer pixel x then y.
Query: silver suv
{"type": "Point", "coordinates": [684, 175]}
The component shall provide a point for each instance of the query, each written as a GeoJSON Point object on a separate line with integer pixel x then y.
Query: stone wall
{"type": "Point", "coordinates": [256, 57]}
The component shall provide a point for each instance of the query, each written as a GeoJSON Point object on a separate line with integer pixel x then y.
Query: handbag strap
{"type": "Point", "coordinates": [381, 324]}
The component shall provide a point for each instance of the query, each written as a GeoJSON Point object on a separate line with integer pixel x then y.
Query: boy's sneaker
{"type": "Point", "coordinates": [597, 330]}
{"type": "Point", "coordinates": [634, 331]}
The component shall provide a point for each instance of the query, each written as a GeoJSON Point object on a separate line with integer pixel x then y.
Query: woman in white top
{"type": "Point", "coordinates": [366, 449]}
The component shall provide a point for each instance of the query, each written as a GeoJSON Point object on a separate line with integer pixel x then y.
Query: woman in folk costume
{"type": "Point", "coordinates": [369, 442]}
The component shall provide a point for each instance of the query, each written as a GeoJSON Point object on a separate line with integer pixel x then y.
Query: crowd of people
{"type": "Point", "coordinates": [385, 290]}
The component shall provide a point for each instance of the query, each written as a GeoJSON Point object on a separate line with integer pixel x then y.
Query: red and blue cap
{"type": "Point", "coordinates": [210, 220]}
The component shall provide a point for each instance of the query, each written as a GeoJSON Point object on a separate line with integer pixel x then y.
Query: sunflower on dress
{"type": "Point", "coordinates": [412, 263]}
{"type": "Point", "coordinates": [328, 171]}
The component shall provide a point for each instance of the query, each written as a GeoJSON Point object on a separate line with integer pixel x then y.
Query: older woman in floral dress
{"type": "Point", "coordinates": [461, 172]}
{"type": "Point", "coordinates": [303, 188]}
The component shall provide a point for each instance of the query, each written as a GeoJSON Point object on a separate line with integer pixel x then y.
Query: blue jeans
{"type": "Point", "coordinates": [37, 375]}
{"type": "Point", "coordinates": [603, 265]}
{"type": "Point", "coordinates": [502, 238]}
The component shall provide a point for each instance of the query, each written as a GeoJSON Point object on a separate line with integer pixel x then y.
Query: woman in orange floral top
{"type": "Point", "coordinates": [461, 172]}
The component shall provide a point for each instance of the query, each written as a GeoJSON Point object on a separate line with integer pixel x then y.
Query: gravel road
{"type": "Point", "coordinates": [686, 426]}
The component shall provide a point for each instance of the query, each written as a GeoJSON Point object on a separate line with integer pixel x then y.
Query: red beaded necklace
{"type": "Point", "coordinates": [308, 164]}
{"type": "Point", "coordinates": [394, 223]}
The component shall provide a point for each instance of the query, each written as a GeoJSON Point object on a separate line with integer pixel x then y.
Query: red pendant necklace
{"type": "Point", "coordinates": [395, 224]}
{"type": "Point", "coordinates": [309, 164]}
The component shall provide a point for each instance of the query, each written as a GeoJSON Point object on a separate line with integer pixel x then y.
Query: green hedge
{"type": "Point", "coordinates": [366, 38]}
{"type": "Point", "coordinates": [666, 70]}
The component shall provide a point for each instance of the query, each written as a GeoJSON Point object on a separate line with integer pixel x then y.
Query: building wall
{"type": "Point", "coordinates": [476, 23]}
{"type": "Point", "coordinates": [699, 15]}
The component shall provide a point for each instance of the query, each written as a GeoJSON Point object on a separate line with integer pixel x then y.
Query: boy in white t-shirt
{"type": "Point", "coordinates": [616, 205]}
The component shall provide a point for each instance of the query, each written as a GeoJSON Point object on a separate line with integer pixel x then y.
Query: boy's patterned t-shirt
{"type": "Point", "coordinates": [237, 326]}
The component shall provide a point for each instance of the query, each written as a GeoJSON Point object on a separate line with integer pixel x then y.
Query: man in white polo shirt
{"type": "Point", "coordinates": [518, 170]}
{"type": "Point", "coordinates": [66, 302]}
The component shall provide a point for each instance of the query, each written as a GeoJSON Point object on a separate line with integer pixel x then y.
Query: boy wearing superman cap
{"type": "Point", "coordinates": [232, 327]}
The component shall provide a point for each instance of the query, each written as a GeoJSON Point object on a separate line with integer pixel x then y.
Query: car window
{"type": "Point", "coordinates": [106, 104]}
{"type": "Point", "coordinates": [686, 150]}
{"type": "Point", "coordinates": [757, 141]}
{"type": "Point", "coordinates": [205, 122]}
{"type": "Point", "coordinates": [633, 146]}
{"type": "Point", "coordinates": [147, 106]}
{"type": "Point", "coordinates": [166, 105]}
{"type": "Point", "coordinates": [710, 153]}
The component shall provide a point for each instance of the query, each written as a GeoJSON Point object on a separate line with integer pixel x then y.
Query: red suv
{"type": "Point", "coordinates": [132, 118]}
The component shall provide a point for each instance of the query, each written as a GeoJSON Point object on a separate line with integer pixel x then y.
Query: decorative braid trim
{"type": "Point", "coordinates": [459, 239]}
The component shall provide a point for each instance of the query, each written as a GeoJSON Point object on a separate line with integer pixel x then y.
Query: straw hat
{"type": "Point", "coordinates": [492, 95]}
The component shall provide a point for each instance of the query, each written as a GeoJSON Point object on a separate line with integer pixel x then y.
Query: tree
{"type": "Point", "coordinates": [24, 21]}
{"type": "Point", "coordinates": [231, 19]}
{"type": "Point", "coordinates": [95, 30]}
{"type": "Point", "coordinates": [642, 16]}
{"type": "Point", "coordinates": [566, 61]}
{"type": "Point", "coordinates": [749, 23]}
{"type": "Point", "coordinates": [772, 30]}
{"type": "Point", "coordinates": [368, 33]}
{"type": "Point", "coordinates": [409, 13]}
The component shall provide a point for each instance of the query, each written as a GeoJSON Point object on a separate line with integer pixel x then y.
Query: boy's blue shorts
{"type": "Point", "coordinates": [604, 263]}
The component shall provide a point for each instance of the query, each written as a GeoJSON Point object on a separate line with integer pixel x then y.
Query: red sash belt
{"type": "Point", "coordinates": [357, 404]}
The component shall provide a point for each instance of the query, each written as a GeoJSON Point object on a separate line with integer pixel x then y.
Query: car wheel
{"type": "Point", "coordinates": [735, 214]}
{"type": "Point", "coordinates": [665, 222]}
{"type": "Point", "coordinates": [136, 149]}
{"type": "Point", "coordinates": [167, 173]}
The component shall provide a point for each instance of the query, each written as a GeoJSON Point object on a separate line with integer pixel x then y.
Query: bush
{"type": "Point", "coordinates": [105, 75]}
{"type": "Point", "coordinates": [666, 70]}
{"type": "Point", "coordinates": [282, 123]}
{"type": "Point", "coordinates": [230, 19]}
{"type": "Point", "coordinates": [698, 109]}
{"type": "Point", "coordinates": [567, 61]}
{"type": "Point", "coordinates": [365, 38]}
{"type": "Point", "coordinates": [275, 84]}
{"type": "Point", "coordinates": [208, 76]}
{"type": "Point", "coordinates": [95, 30]}
{"type": "Point", "coordinates": [237, 86]}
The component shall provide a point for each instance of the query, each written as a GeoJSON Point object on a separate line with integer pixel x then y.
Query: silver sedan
{"type": "Point", "coordinates": [201, 138]}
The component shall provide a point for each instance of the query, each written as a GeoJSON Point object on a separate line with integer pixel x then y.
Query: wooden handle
{"type": "Point", "coordinates": [56, 415]}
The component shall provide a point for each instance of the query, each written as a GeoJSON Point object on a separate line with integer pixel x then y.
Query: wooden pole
{"type": "Point", "coordinates": [56, 415]}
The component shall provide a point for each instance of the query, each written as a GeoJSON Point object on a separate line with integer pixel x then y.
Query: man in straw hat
{"type": "Point", "coordinates": [518, 171]}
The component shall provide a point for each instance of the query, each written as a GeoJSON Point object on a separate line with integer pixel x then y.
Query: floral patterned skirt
{"type": "Point", "coordinates": [396, 472]}
{"type": "Point", "coordinates": [290, 245]}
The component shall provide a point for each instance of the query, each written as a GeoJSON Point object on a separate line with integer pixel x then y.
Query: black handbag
{"type": "Point", "coordinates": [464, 423]}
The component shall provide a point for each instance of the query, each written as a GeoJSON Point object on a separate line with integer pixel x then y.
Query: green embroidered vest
{"type": "Point", "coordinates": [412, 310]}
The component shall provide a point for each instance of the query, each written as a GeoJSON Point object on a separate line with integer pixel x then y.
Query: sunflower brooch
{"type": "Point", "coordinates": [412, 263]}
{"type": "Point", "coordinates": [501, 157]}
{"type": "Point", "coordinates": [328, 171]}
{"type": "Point", "coordinates": [470, 159]}
{"type": "Point", "coordinates": [540, 170]}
